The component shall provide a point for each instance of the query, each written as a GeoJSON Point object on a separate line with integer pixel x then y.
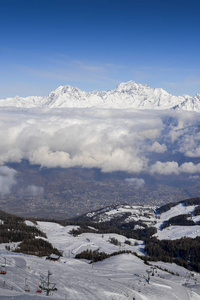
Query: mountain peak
{"type": "Point", "coordinates": [126, 95]}
{"type": "Point", "coordinates": [130, 85]}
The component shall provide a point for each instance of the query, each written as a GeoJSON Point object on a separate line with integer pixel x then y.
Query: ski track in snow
{"type": "Point", "coordinates": [116, 278]}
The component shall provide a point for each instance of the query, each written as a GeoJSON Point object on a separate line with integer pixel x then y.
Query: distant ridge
{"type": "Point", "coordinates": [126, 95]}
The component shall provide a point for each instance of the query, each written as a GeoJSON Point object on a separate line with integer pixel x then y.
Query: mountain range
{"type": "Point", "coordinates": [126, 95]}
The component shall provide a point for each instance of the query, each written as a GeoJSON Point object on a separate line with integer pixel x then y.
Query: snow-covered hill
{"type": "Point", "coordinates": [120, 277]}
{"type": "Point", "coordinates": [141, 213]}
{"type": "Point", "coordinates": [23, 102]}
{"type": "Point", "coordinates": [126, 95]}
{"type": "Point", "coordinates": [148, 216]}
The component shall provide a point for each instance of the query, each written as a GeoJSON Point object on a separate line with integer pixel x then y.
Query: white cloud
{"type": "Point", "coordinates": [151, 133]}
{"type": "Point", "coordinates": [34, 191]}
{"type": "Point", "coordinates": [158, 148]}
{"type": "Point", "coordinates": [7, 179]}
{"type": "Point", "coordinates": [190, 168]}
{"type": "Point", "coordinates": [112, 140]}
{"type": "Point", "coordinates": [136, 182]}
{"type": "Point", "coordinates": [166, 168]}
{"type": "Point", "coordinates": [194, 177]}
{"type": "Point", "coordinates": [193, 152]}
{"type": "Point", "coordinates": [172, 167]}
{"type": "Point", "coordinates": [31, 190]}
{"type": "Point", "coordinates": [67, 138]}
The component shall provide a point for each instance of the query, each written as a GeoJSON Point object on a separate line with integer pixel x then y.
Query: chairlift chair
{"type": "Point", "coordinates": [38, 289]}
{"type": "Point", "coordinates": [26, 287]}
{"type": "Point", "coordinates": [3, 270]}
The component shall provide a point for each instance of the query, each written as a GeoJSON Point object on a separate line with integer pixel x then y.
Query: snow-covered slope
{"type": "Point", "coordinates": [116, 278]}
{"type": "Point", "coordinates": [174, 232]}
{"type": "Point", "coordinates": [145, 214]}
{"type": "Point", "coordinates": [120, 277]}
{"type": "Point", "coordinates": [26, 102]}
{"type": "Point", "coordinates": [148, 216]}
{"type": "Point", "coordinates": [126, 95]}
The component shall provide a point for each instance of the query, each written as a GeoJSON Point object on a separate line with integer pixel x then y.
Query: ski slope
{"type": "Point", "coordinates": [118, 277]}
{"type": "Point", "coordinates": [177, 232]}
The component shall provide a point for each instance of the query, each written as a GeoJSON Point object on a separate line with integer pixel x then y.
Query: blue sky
{"type": "Point", "coordinates": [96, 44]}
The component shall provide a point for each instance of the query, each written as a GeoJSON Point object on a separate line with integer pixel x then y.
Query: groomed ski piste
{"type": "Point", "coordinates": [120, 277]}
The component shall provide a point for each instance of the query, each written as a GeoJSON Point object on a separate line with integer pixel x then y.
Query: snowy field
{"type": "Point", "coordinates": [120, 277]}
{"type": "Point", "coordinates": [145, 214]}
{"type": "Point", "coordinates": [177, 232]}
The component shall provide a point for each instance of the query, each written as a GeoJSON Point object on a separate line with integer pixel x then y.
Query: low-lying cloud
{"type": "Point", "coordinates": [112, 140]}
{"type": "Point", "coordinates": [7, 180]}
{"type": "Point", "coordinates": [32, 191]}
{"type": "Point", "coordinates": [172, 167]}
{"type": "Point", "coordinates": [136, 182]}
{"type": "Point", "coordinates": [194, 177]}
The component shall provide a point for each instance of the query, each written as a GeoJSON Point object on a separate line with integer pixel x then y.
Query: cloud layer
{"type": "Point", "coordinates": [112, 140]}
{"type": "Point", "coordinates": [7, 180]}
{"type": "Point", "coordinates": [31, 191]}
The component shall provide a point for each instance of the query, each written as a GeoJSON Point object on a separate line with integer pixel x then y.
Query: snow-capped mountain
{"type": "Point", "coordinates": [126, 95]}
{"type": "Point", "coordinates": [26, 102]}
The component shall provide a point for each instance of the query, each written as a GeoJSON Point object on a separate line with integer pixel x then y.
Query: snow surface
{"type": "Point", "coordinates": [179, 209]}
{"type": "Point", "coordinates": [29, 223]}
{"type": "Point", "coordinates": [195, 218]}
{"type": "Point", "coordinates": [119, 277]}
{"type": "Point", "coordinates": [177, 232]}
{"type": "Point", "coordinates": [146, 215]}
{"type": "Point", "coordinates": [71, 245]}
{"type": "Point", "coordinates": [137, 212]}
{"type": "Point", "coordinates": [126, 95]}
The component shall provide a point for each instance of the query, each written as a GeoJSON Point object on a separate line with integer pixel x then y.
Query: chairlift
{"type": "Point", "coordinates": [3, 270]}
{"type": "Point", "coordinates": [38, 289]}
{"type": "Point", "coordinates": [26, 287]}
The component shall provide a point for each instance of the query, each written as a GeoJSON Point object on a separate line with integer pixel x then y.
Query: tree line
{"type": "Point", "coordinates": [184, 252]}
{"type": "Point", "coordinates": [14, 229]}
